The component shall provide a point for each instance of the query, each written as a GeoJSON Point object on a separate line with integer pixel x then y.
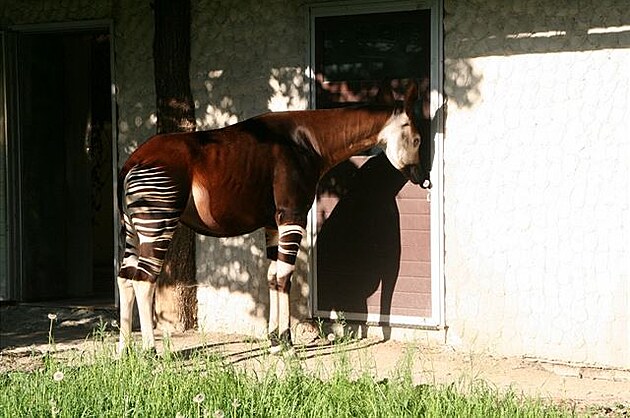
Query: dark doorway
{"type": "Point", "coordinates": [65, 165]}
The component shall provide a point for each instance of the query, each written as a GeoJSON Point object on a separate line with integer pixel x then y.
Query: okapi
{"type": "Point", "coordinates": [259, 173]}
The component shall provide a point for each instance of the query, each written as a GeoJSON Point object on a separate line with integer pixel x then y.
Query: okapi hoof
{"type": "Point", "coordinates": [150, 353]}
{"type": "Point", "coordinates": [280, 342]}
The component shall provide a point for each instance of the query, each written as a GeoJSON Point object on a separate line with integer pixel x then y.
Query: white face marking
{"type": "Point", "coordinates": [401, 142]}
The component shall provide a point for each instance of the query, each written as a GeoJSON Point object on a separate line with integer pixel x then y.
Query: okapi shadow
{"type": "Point", "coordinates": [317, 350]}
{"type": "Point", "coordinates": [259, 350]}
{"type": "Point", "coordinates": [359, 245]}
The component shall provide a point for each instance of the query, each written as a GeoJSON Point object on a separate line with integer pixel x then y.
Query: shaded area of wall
{"type": "Point", "coordinates": [537, 178]}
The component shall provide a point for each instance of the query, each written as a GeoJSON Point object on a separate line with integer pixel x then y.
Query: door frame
{"type": "Point", "coordinates": [437, 318]}
{"type": "Point", "coordinates": [14, 138]}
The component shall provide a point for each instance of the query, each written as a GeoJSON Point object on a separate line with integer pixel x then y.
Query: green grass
{"type": "Point", "coordinates": [204, 385]}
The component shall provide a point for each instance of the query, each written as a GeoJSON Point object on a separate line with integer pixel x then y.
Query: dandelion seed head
{"type": "Point", "coordinates": [52, 316]}
{"type": "Point", "coordinates": [199, 398]}
{"type": "Point", "coordinates": [218, 414]}
{"type": "Point", "coordinates": [115, 324]}
{"type": "Point", "coordinates": [180, 415]}
{"type": "Point", "coordinates": [236, 403]}
{"type": "Point", "coordinates": [58, 376]}
{"type": "Point", "coordinates": [331, 337]}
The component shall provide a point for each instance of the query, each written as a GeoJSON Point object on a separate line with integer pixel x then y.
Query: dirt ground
{"type": "Point", "coordinates": [24, 333]}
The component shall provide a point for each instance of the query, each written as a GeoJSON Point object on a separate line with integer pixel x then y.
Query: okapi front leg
{"type": "Point", "coordinates": [289, 240]}
{"type": "Point", "coordinates": [272, 325]}
{"type": "Point", "coordinates": [271, 237]}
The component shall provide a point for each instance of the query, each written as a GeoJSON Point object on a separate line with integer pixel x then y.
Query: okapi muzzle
{"type": "Point", "coordinates": [418, 174]}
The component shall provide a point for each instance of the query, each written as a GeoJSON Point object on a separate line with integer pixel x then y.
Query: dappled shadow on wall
{"type": "Point", "coordinates": [285, 88]}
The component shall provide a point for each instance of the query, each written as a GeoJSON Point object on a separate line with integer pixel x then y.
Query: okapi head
{"type": "Point", "coordinates": [404, 133]}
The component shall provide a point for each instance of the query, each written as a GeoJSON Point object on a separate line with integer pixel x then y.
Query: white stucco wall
{"type": "Point", "coordinates": [537, 179]}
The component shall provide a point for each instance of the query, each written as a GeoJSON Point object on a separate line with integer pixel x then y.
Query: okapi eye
{"type": "Point", "coordinates": [416, 142]}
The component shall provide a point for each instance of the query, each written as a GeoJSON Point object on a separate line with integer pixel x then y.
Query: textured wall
{"type": "Point", "coordinates": [135, 86]}
{"type": "Point", "coordinates": [537, 178]}
{"type": "Point", "coordinates": [46, 11]}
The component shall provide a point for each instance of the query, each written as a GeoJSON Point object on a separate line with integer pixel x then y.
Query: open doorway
{"type": "Point", "coordinates": [64, 165]}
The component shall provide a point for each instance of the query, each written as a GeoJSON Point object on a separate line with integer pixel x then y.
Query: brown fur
{"type": "Point", "coordinates": [261, 172]}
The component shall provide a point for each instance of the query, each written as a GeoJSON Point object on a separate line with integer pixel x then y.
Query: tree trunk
{"type": "Point", "coordinates": [176, 296]}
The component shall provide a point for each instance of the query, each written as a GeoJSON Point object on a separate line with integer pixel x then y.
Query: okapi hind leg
{"type": "Point", "coordinates": [126, 293]}
{"type": "Point", "coordinates": [126, 300]}
{"type": "Point", "coordinates": [152, 207]}
{"type": "Point", "coordinates": [143, 292]}
{"type": "Point", "coordinates": [150, 260]}
{"type": "Point", "coordinates": [144, 295]}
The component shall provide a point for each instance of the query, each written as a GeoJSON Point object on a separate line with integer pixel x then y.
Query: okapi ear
{"type": "Point", "coordinates": [411, 96]}
{"type": "Point", "coordinates": [385, 95]}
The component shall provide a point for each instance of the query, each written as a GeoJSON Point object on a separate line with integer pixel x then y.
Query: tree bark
{"type": "Point", "coordinates": [176, 295]}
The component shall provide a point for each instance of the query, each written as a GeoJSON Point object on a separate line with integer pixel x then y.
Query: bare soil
{"type": "Point", "coordinates": [24, 340]}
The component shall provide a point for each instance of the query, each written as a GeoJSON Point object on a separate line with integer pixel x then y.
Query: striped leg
{"type": "Point", "coordinates": [126, 295]}
{"type": "Point", "coordinates": [151, 217]}
{"type": "Point", "coordinates": [289, 238]}
{"type": "Point", "coordinates": [125, 287]}
{"type": "Point", "coordinates": [271, 238]}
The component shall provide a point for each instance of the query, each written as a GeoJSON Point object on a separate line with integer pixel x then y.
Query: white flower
{"type": "Point", "coordinates": [58, 376]}
{"type": "Point", "coordinates": [236, 403]}
{"type": "Point", "coordinates": [199, 398]}
{"type": "Point", "coordinates": [180, 415]}
{"type": "Point", "coordinates": [331, 337]}
{"type": "Point", "coordinates": [115, 324]}
{"type": "Point", "coordinates": [53, 407]}
{"type": "Point", "coordinates": [52, 316]}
